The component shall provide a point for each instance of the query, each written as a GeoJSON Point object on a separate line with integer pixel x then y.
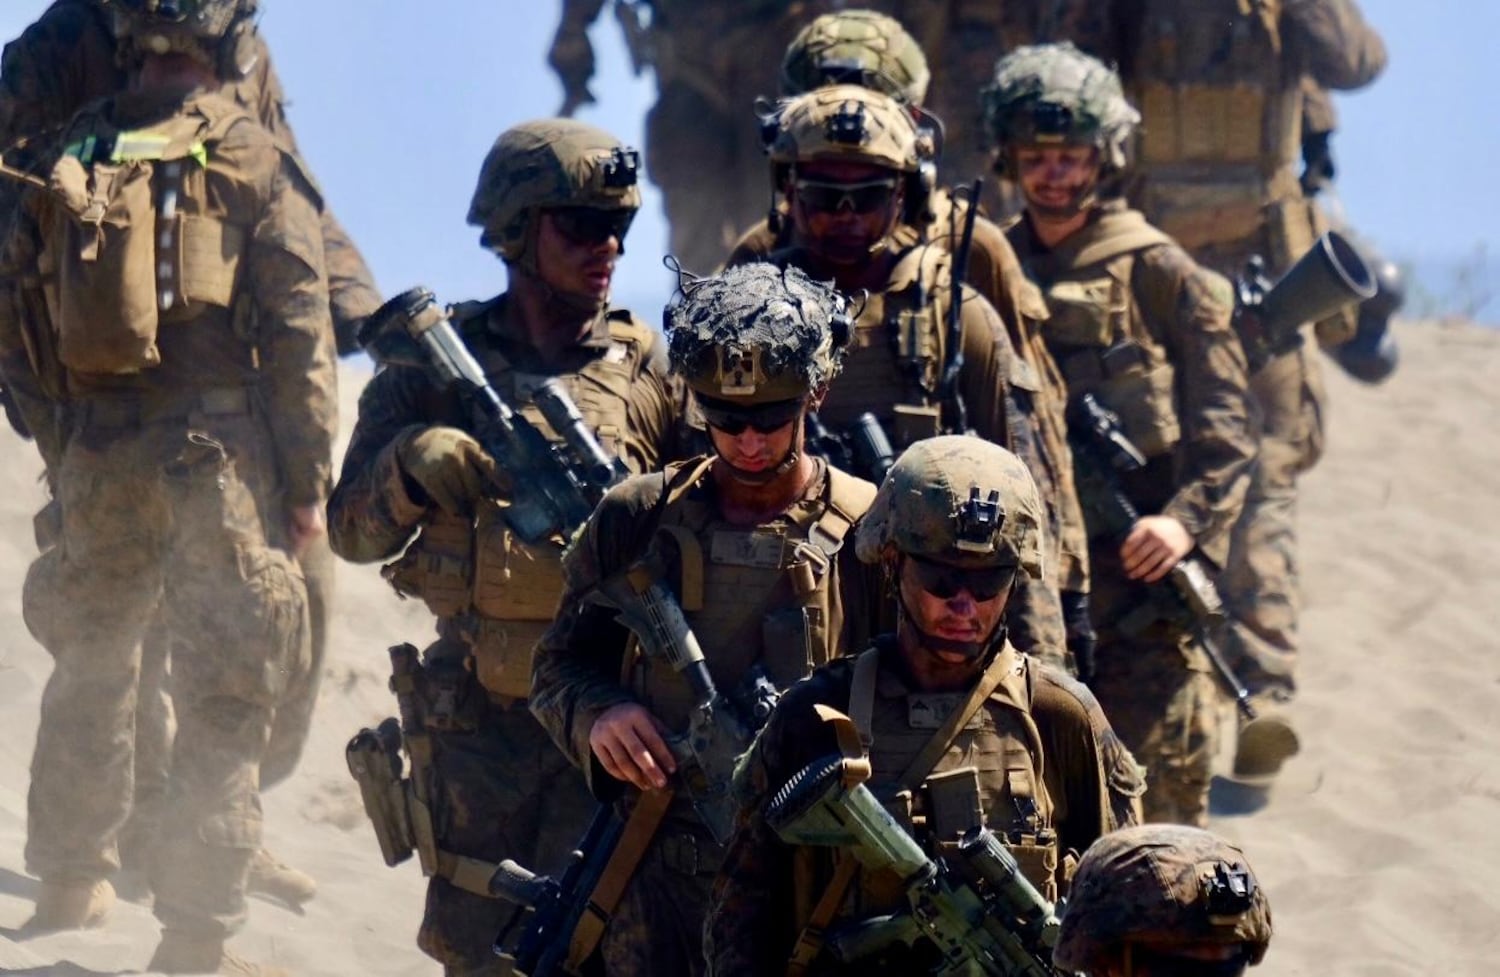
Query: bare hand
{"type": "Point", "coordinates": [307, 523]}
{"type": "Point", "coordinates": [627, 739]}
{"type": "Point", "coordinates": [1155, 545]}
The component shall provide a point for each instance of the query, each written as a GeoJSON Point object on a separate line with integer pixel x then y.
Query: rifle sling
{"type": "Point", "coordinates": [636, 837]}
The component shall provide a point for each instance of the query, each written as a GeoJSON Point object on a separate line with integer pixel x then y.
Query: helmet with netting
{"type": "Point", "coordinates": [859, 47]}
{"type": "Point", "coordinates": [959, 500]}
{"type": "Point", "coordinates": [549, 163]}
{"type": "Point", "coordinates": [757, 334]}
{"type": "Point", "coordinates": [1054, 94]}
{"type": "Point", "coordinates": [1160, 884]}
{"type": "Point", "coordinates": [210, 30]}
{"type": "Point", "coordinates": [847, 122]}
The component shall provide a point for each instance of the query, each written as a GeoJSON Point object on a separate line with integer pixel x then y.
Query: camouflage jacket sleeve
{"type": "Point", "coordinates": [1189, 309]}
{"type": "Point", "coordinates": [1336, 46]}
{"type": "Point", "coordinates": [751, 923]}
{"type": "Point", "coordinates": [576, 670]}
{"type": "Point", "coordinates": [372, 514]}
{"type": "Point", "coordinates": [290, 294]}
{"type": "Point", "coordinates": [1092, 778]}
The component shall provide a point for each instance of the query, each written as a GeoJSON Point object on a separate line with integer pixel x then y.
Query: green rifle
{"type": "Point", "coordinates": [973, 905]}
{"type": "Point", "coordinates": [1102, 454]}
{"type": "Point", "coordinates": [1269, 318]}
{"type": "Point", "coordinates": [554, 487]}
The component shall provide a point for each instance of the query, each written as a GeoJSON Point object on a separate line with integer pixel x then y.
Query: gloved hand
{"type": "Point", "coordinates": [1081, 637]}
{"type": "Point", "coordinates": [572, 58]}
{"type": "Point", "coordinates": [447, 468]}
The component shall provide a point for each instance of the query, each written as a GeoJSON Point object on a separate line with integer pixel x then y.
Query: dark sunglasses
{"type": "Point", "coordinates": [861, 198]}
{"type": "Point", "coordinates": [944, 582]}
{"type": "Point", "coordinates": [1167, 965]}
{"type": "Point", "coordinates": [733, 419]}
{"type": "Point", "coordinates": [592, 225]}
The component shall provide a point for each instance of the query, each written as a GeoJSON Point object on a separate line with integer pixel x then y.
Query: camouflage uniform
{"type": "Point", "coordinates": [1044, 812]}
{"type": "Point", "coordinates": [902, 334]}
{"type": "Point", "coordinates": [1222, 94]}
{"type": "Point", "coordinates": [175, 463]}
{"type": "Point", "coordinates": [783, 596]}
{"type": "Point", "coordinates": [1175, 374]}
{"type": "Point", "coordinates": [500, 789]}
{"type": "Point", "coordinates": [1157, 887]}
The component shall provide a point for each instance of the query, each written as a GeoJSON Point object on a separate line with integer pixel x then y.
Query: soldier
{"type": "Point", "coordinates": [1146, 331]}
{"type": "Point", "coordinates": [1161, 900]}
{"type": "Point", "coordinates": [59, 64]}
{"type": "Point", "coordinates": [955, 720]}
{"type": "Point", "coordinates": [1220, 85]}
{"type": "Point", "coordinates": [751, 540]}
{"type": "Point", "coordinates": [175, 362]}
{"type": "Point", "coordinates": [876, 52]}
{"type": "Point", "coordinates": [554, 200]}
{"type": "Point", "coordinates": [853, 162]}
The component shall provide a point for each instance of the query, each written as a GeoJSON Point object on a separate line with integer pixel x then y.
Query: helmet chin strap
{"type": "Point", "coordinates": [561, 305]}
{"type": "Point", "coordinates": [793, 456]}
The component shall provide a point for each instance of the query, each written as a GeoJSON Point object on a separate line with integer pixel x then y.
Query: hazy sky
{"type": "Point", "coordinates": [395, 104]}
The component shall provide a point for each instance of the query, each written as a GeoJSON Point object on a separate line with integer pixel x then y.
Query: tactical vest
{"type": "Point", "coordinates": [502, 592]}
{"type": "Point", "coordinates": [1222, 119]}
{"type": "Point", "coordinates": [762, 598]}
{"type": "Point", "coordinates": [136, 242]}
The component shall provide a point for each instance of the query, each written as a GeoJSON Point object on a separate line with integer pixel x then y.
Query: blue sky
{"type": "Point", "coordinates": [396, 103]}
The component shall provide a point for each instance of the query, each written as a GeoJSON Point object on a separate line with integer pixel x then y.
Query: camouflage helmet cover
{"type": "Point", "coordinates": [195, 27]}
{"type": "Point", "coordinates": [1054, 93]}
{"type": "Point", "coordinates": [549, 163]}
{"type": "Point", "coordinates": [856, 46]}
{"type": "Point", "coordinates": [1163, 884]}
{"type": "Point", "coordinates": [958, 500]}
{"type": "Point", "coordinates": [757, 334]}
{"type": "Point", "coordinates": [848, 122]}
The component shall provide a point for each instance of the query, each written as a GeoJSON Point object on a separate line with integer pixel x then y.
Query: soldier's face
{"type": "Point", "coordinates": [841, 210]}
{"type": "Point", "coordinates": [576, 263]}
{"type": "Point", "coordinates": [1054, 178]}
{"type": "Point", "coordinates": [1182, 959]}
{"type": "Point", "coordinates": [958, 608]}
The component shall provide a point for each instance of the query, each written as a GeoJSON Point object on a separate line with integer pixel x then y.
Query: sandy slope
{"type": "Point", "coordinates": [1378, 847]}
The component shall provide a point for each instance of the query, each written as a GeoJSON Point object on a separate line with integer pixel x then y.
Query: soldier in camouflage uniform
{"type": "Point", "coordinates": [853, 163]}
{"type": "Point", "coordinates": [945, 706]}
{"type": "Point", "coordinates": [175, 362]}
{"type": "Point", "coordinates": [1220, 85]}
{"type": "Point", "coordinates": [878, 53]}
{"type": "Point", "coordinates": [1163, 899]}
{"type": "Point", "coordinates": [752, 540]}
{"type": "Point", "coordinates": [1139, 325]}
{"type": "Point", "coordinates": [59, 64]}
{"type": "Point", "coordinates": [554, 200]}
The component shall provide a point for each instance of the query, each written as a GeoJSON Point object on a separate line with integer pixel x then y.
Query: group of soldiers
{"type": "Point", "coordinates": [887, 514]}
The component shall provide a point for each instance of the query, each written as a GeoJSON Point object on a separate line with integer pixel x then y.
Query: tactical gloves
{"type": "Point", "coordinates": [447, 468]}
{"type": "Point", "coordinates": [1081, 636]}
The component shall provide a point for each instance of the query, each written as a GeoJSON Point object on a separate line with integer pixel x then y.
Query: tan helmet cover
{"type": "Point", "coordinates": [847, 122]}
{"type": "Point", "coordinates": [549, 163]}
{"type": "Point", "coordinates": [757, 334]}
{"type": "Point", "coordinates": [858, 47]}
{"type": "Point", "coordinates": [958, 500]}
{"type": "Point", "coordinates": [1161, 883]}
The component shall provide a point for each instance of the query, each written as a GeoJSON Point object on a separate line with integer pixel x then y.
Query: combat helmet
{"type": "Point", "coordinates": [757, 334]}
{"type": "Point", "coordinates": [549, 163]}
{"type": "Point", "coordinates": [957, 500]}
{"type": "Point", "coordinates": [1055, 94]}
{"type": "Point", "coordinates": [220, 32]}
{"type": "Point", "coordinates": [858, 47]}
{"type": "Point", "coordinates": [1161, 884]}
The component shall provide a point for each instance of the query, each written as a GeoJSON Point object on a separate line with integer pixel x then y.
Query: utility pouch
{"type": "Point", "coordinates": [513, 581]}
{"type": "Point", "coordinates": [437, 567]}
{"type": "Point", "coordinates": [374, 758]}
{"type": "Point", "coordinates": [956, 805]}
{"type": "Point", "coordinates": [1037, 857]}
{"type": "Point", "coordinates": [794, 635]}
{"type": "Point", "coordinates": [911, 423]}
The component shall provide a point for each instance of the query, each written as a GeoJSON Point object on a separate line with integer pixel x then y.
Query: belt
{"type": "Point", "coordinates": [121, 412]}
{"type": "Point", "coordinates": [687, 854]}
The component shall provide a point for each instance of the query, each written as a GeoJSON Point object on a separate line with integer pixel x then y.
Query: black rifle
{"type": "Point", "coordinates": [864, 450]}
{"type": "Point", "coordinates": [1102, 454]}
{"type": "Point", "coordinates": [554, 487]}
{"type": "Point", "coordinates": [1269, 318]}
{"type": "Point", "coordinates": [952, 396]}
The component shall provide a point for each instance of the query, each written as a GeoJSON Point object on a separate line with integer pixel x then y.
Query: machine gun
{"type": "Point", "coordinates": [863, 450]}
{"type": "Point", "coordinates": [1103, 453]}
{"type": "Point", "coordinates": [973, 904]}
{"type": "Point", "coordinates": [1269, 317]}
{"type": "Point", "coordinates": [554, 487]}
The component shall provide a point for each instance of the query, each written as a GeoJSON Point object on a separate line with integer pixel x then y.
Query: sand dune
{"type": "Point", "coordinates": [1378, 847]}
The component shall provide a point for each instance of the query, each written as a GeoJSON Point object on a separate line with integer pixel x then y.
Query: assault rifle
{"type": "Point", "coordinates": [554, 487]}
{"type": "Point", "coordinates": [863, 450]}
{"type": "Point", "coordinates": [973, 904]}
{"type": "Point", "coordinates": [952, 396]}
{"type": "Point", "coordinates": [1269, 317]}
{"type": "Point", "coordinates": [1103, 453]}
